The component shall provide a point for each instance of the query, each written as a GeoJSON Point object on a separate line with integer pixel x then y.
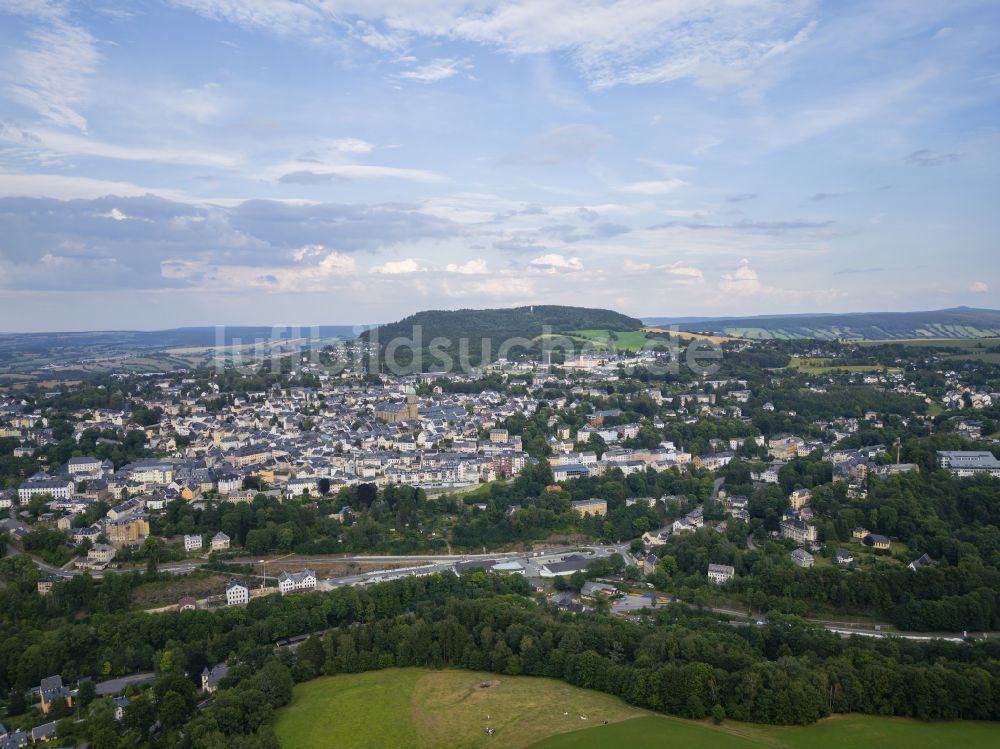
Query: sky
{"type": "Point", "coordinates": [169, 163]}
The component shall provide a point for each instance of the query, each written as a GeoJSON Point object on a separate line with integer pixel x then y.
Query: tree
{"type": "Point", "coordinates": [16, 704]}
{"type": "Point", "coordinates": [85, 694]}
{"type": "Point", "coordinates": [173, 710]}
{"type": "Point", "coordinates": [151, 548]}
{"type": "Point", "coordinates": [718, 713]}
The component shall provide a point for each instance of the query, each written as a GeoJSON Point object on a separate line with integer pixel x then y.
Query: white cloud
{"type": "Point", "coordinates": [67, 144]}
{"type": "Point", "coordinates": [397, 267]}
{"type": "Point", "coordinates": [116, 215]}
{"type": "Point", "coordinates": [436, 70]}
{"type": "Point", "coordinates": [686, 275]}
{"type": "Point", "coordinates": [653, 187]}
{"type": "Point", "coordinates": [202, 105]}
{"type": "Point", "coordinates": [281, 17]}
{"type": "Point", "coordinates": [979, 287]}
{"type": "Point", "coordinates": [629, 41]}
{"type": "Point", "coordinates": [350, 145]}
{"type": "Point", "coordinates": [50, 76]}
{"type": "Point", "coordinates": [304, 173]}
{"type": "Point", "coordinates": [742, 281]}
{"type": "Point", "coordinates": [317, 269]}
{"type": "Point", "coordinates": [556, 262]}
{"type": "Point", "coordinates": [472, 267]}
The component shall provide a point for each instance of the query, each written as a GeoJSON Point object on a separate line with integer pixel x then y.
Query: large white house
{"type": "Point", "coordinates": [84, 467]}
{"type": "Point", "coordinates": [192, 542]}
{"type": "Point", "coordinates": [721, 573]}
{"type": "Point", "coordinates": [296, 582]}
{"type": "Point", "coordinates": [237, 593]}
{"type": "Point", "coordinates": [57, 488]}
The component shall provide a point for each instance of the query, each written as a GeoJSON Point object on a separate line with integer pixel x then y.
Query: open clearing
{"type": "Point", "coordinates": [424, 709]}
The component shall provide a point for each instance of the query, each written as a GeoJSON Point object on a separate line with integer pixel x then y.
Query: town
{"type": "Point", "coordinates": [605, 489]}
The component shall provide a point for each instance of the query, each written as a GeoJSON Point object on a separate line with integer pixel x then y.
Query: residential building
{"type": "Point", "coordinates": [802, 558]}
{"type": "Point", "coordinates": [297, 582]}
{"type": "Point", "coordinates": [220, 542]}
{"type": "Point", "coordinates": [877, 542]}
{"type": "Point", "coordinates": [210, 678]}
{"type": "Point", "coordinates": [101, 553]}
{"type": "Point", "coordinates": [131, 530]}
{"type": "Point", "coordinates": [590, 507]}
{"type": "Point", "coordinates": [799, 498]}
{"type": "Point", "coordinates": [192, 543]}
{"type": "Point", "coordinates": [52, 689]}
{"type": "Point", "coordinates": [721, 573]}
{"type": "Point", "coordinates": [798, 531]}
{"type": "Point", "coordinates": [237, 593]}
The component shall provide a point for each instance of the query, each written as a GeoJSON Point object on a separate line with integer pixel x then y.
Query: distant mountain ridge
{"type": "Point", "coordinates": [957, 322]}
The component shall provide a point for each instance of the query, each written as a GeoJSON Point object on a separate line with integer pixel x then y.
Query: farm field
{"type": "Point", "coordinates": [426, 709]}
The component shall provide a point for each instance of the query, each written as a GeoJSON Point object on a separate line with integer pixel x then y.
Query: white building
{"type": "Point", "coordinates": [58, 489]}
{"type": "Point", "coordinates": [969, 462]}
{"type": "Point", "coordinates": [721, 573]}
{"type": "Point", "coordinates": [84, 467]}
{"type": "Point", "coordinates": [220, 542]}
{"type": "Point", "coordinates": [296, 582]}
{"type": "Point", "coordinates": [237, 593]}
{"type": "Point", "coordinates": [192, 543]}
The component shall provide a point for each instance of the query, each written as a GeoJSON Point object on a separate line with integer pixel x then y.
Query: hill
{"type": "Point", "coordinates": [483, 331]}
{"type": "Point", "coordinates": [959, 322]}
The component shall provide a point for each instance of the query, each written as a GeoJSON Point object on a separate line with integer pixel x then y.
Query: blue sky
{"type": "Point", "coordinates": [202, 162]}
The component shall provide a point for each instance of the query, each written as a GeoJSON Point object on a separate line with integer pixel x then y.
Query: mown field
{"type": "Point", "coordinates": [822, 366]}
{"type": "Point", "coordinates": [425, 709]}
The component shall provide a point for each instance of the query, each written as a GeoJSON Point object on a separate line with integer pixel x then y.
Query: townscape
{"type": "Point", "coordinates": [499, 374]}
{"type": "Point", "coordinates": [772, 487]}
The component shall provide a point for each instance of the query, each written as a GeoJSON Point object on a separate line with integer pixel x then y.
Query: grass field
{"type": "Point", "coordinates": [631, 340]}
{"type": "Point", "coordinates": [424, 709]}
{"type": "Point", "coordinates": [822, 366]}
{"type": "Point", "coordinates": [854, 732]}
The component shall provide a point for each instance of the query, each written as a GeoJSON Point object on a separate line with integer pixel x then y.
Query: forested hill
{"type": "Point", "coordinates": [959, 322]}
{"type": "Point", "coordinates": [501, 324]}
